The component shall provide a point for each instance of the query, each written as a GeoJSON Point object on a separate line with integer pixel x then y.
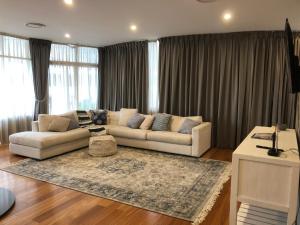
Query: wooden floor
{"type": "Point", "coordinates": [39, 202]}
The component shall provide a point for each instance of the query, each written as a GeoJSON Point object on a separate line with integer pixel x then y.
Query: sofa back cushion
{"type": "Point", "coordinates": [125, 115]}
{"type": "Point", "coordinates": [177, 121]}
{"type": "Point", "coordinates": [113, 117]}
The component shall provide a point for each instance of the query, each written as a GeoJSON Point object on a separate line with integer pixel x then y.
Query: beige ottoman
{"type": "Point", "coordinates": [103, 145]}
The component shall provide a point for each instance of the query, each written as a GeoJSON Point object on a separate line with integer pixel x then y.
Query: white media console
{"type": "Point", "coordinates": [264, 181]}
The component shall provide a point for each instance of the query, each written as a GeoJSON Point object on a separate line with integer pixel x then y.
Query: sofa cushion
{"type": "Point", "coordinates": [99, 117]}
{"type": "Point", "coordinates": [45, 119]}
{"type": "Point", "coordinates": [47, 139]}
{"type": "Point", "coordinates": [135, 121]}
{"type": "Point", "coordinates": [125, 115]}
{"type": "Point", "coordinates": [113, 117]}
{"type": "Point", "coordinates": [176, 121]}
{"type": "Point", "coordinates": [126, 132]}
{"type": "Point", "coordinates": [161, 122]}
{"type": "Point", "coordinates": [74, 124]}
{"type": "Point", "coordinates": [170, 137]}
{"type": "Point", "coordinates": [147, 123]}
{"type": "Point", "coordinates": [188, 125]}
{"type": "Point", "coordinates": [59, 124]}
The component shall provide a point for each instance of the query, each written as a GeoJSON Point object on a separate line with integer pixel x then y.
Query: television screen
{"type": "Point", "coordinates": [293, 60]}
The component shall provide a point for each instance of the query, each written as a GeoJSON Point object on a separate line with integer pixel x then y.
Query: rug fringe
{"type": "Point", "coordinates": [211, 202]}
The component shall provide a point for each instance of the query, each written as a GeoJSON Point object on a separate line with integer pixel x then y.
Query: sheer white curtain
{"type": "Point", "coordinates": [153, 56]}
{"type": "Point", "coordinates": [16, 87]}
{"type": "Point", "coordinates": [73, 78]}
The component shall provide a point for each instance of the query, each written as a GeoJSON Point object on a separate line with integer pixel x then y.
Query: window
{"type": "Point", "coordinates": [16, 86]}
{"type": "Point", "coordinates": [73, 78]}
{"type": "Point", "coordinates": [153, 56]}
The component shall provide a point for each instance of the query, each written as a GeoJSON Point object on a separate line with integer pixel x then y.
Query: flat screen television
{"type": "Point", "coordinates": [292, 59]}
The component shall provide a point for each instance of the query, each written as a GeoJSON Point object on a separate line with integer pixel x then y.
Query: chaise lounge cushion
{"type": "Point", "coordinates": [170, 137]}
{"type": "Point", "coordinates": [126, 132]}
{"type": "Point", "coordinates": [47, 139]}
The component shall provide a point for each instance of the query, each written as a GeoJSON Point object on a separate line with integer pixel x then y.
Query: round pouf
{"type": "Point", "coordinates": [104, 145]}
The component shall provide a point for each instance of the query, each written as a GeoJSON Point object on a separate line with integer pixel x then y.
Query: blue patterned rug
{"type": "Point", "coordinates": [179, 186]}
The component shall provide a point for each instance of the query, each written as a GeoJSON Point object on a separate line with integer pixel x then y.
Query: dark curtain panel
{"type": "Point", "coordinates": [40, 57]}
{"type": "Point", "coordinates": [100, 78]}
{"type": "Point", "coordinates": [297, 51]}
{"type": "Point", "coordinates": [234, 80]}
{"type": "Point", "coordinates": [124, 76]}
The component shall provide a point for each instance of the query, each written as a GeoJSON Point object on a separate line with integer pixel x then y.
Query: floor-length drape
{"type": "Point", "coordinates": [297, 51]}
{"type": "Point", "coordinates": [234, 80]}
{"type": "Point", "coordinates": [40, 58]}
{"type": "Point", "coordinates": [16, 87]}
{"type": "Point", "coordinates": [123, 74]}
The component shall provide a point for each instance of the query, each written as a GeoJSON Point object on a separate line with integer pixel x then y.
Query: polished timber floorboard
{"type": "Point", "coordinates": [39, 202]}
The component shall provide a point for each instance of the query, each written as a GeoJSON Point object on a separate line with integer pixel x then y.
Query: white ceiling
{"type": "Point", "coordinates": [103, 22]}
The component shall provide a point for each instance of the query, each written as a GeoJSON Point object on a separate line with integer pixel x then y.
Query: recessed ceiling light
{"type": "Point", "coordinates": [67, 35]}
{"type": "Point", "coordinates": [35, 25]}
{"type": "Point", "coordinates": [133, 27]}
{"type": "Point", "coordinates": [227, 16]}
{"type": "Point", "coordinates": [68, 2]}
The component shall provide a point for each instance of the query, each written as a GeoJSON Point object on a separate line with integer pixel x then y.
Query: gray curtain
{"type": "Point", "coordinates": [234, 80]}
{"type": "Point", "coordinates": [40, 57]}
{"type": "Point", "coordinates": [123, 76]}
{"type": "Point", "coordinates": [297, 122]}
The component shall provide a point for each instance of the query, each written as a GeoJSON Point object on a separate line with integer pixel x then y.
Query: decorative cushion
{"type": "Point", "coordinates": [59, 124]}
{"type": "Point", "coordinates": [125, 114]}
{"type": "Point", "coordinates": [99, 117]}
{"type": "Point", "coordinates": [161, 122]}
{"type": "Point", "coordinates": [187, 126]}
{"type": "Point", "coordinates": [176, 121]}
{"type": "Point", "coordinates": [73, 121]}
{"type": "Point", "coordinates": [147, 123]}
{"type": "Point", "coordinates": [135, 121]}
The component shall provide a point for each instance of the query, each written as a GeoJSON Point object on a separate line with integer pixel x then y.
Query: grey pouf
{"type": "Point", "coordinates": [103, 145]}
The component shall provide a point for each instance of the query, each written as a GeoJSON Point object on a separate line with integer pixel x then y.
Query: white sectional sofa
{"type": "Point", "coordinates": [41, 145]}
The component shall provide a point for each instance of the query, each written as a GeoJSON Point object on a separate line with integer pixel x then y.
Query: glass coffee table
{"type": "Point", "coordinates": [7, 200]}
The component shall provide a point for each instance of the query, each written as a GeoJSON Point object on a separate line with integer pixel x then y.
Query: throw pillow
{"type": "Point", "coordinates": [187, 126]}
{"type": "Point", "coordinates": [135, 121]}
{"type": "Point", "coordinates": [59, 124]}
{"type": "Point", "coordinates": [161, 122]}
{"type": "Point", "coordinates": [177, 121]}
{"type": "Point", "coordinates": [125, 114]}
{"type": "Point", "coordinates": [99, 117]}
{"type": "Point", "coordinates": [147, 123]}
{"type": "Point", "coordinates": [73, 121]}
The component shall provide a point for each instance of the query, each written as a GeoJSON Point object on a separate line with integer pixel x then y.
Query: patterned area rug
{"type": "Point", "coordinates": [179, 186]}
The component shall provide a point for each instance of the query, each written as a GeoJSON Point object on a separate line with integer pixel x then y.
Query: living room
{"type": "Point", "coordinates": [149, 112]}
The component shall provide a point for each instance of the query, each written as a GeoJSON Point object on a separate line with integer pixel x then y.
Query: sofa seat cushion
{"type": "Point", "coordinates": [126, 132]}
{"type": "Point", "coordinates": [47, 139]}
{"type": "Point", "coordinates": [170, 137]}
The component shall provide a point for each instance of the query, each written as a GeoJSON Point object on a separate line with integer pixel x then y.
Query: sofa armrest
{"type": "Point", "coordinates": [201, 139]}
{"type": "Point", "coordinates": [35, 126]}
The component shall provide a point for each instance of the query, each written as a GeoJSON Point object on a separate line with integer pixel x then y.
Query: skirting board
{"type": "Point", "coordinates": [252, 215]}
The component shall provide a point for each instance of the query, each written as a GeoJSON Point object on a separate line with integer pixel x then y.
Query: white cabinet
{"type": "Point", "coordinates": [265, 181]}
